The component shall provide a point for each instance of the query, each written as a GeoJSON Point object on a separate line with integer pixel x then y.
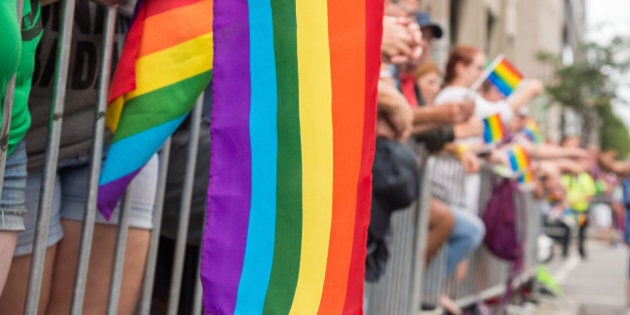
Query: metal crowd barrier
{"type": "Point", "coordinates": [487, 275]}
{"type": "Point", "coordinates": [399, 292]}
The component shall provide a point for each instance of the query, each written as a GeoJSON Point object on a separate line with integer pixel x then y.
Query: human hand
{"type": "Point", "coordinates": [535, 87]}
{"type": "Point", "coordinates": [400, 118]}
{"type": "Point", "coordinates": [461, 111]}
{"type": "Point", "coordinates": [417, 47]}
{"type": "Point", "coordinates": [384, 129]}
{"type": "Point", "coordinates": [401, 40]}
{"type": "Point", "coordinates": [394, 110]}
{"type": "Point", "coordinates": [393, 126]}
{"type": "Point", "coordinates": [607, 159]}
{"type": "Point", "coordinates": [470, 161]}
{"type": "Point", "coordinates": [471, 128]}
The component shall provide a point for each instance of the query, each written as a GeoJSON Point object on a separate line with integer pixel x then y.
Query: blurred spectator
{"type": "Point", "coordinates": [428, 80]}
{"type": "Point", "coordinates": [18, 60]}
{"type": "Point", "coordinates": [70, 191]}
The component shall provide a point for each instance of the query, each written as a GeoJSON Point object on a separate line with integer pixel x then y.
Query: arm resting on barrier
{"type": "Point", "coordinates": [394, 113]}
{"type": "Point", "coordinates": [607, 161]}
{"type": "Point", "coordinates": [444, 114]}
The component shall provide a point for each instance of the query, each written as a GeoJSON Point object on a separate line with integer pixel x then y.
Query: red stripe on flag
{"type": "Point", "coordinates": [124, 78]}
{"type": "Point", "coordinates": [512, 69]}
{"type": "Point", "coordinates": [154, 7]}
{"type": "Point", "coordinates": [374, 33]}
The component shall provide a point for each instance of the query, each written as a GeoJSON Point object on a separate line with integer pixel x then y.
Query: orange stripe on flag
{"type": "Point", "coordinates": [158, 33]}
{"type": "Point", "coordinates": [344, 17]}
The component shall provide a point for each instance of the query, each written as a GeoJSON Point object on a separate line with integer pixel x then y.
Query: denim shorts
{"type": "Point", "coordinates": [70, 197]}
{"type": "Point", "coordinates": [12, 206]}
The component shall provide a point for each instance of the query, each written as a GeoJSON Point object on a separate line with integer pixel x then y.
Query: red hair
{"type": "Point", "coordinates": [460, 54]}
{"type": "Point", "coordinates": [425, 68]}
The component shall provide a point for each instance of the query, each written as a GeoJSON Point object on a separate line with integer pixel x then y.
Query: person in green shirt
{"type": "Point", "coordinates": [580, 190]}
{"type": "Point", "coordinates": [17, 49]}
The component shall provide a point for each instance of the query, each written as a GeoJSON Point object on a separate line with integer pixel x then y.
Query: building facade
{"type": "Point", "coordinates": [520, 29]}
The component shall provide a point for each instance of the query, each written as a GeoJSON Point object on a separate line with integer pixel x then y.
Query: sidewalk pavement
{"type": "Point", "coordinates": [594, 286]}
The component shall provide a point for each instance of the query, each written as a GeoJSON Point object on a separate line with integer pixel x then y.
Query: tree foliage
{"type": "Point", "coordinates": [591, 82]}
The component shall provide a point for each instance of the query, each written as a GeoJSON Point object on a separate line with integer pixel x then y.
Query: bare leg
{"type": "Point", "coordinates": [14, 297]}
{"type": "Point", "coordinates": [441, 224]}
{"type": "Point", "coordinates": [100, 269]}
{"type": "Point", "coordinates": [7, 245]}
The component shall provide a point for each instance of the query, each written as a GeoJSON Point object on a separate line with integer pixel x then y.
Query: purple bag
{"type": "Point", "coordinates": [504, 234]}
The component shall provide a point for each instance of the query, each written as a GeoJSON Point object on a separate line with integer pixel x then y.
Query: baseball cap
{"type": "Point", "coordinates": [424, 20]}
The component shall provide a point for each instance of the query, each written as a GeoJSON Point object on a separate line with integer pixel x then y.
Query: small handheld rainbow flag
{"type": "Point", "coordinates": [165, 64]}
{"type": "Point", "coordinates": [493, 131]}
{"type": "Point", "coordinates": [504, 76]}
{"type": "Point", "coordinates": [293, 139]}
{"type": "Point", "coordinates": [531, 131]}
{"type": "Point", "coordinates": [520, 163]}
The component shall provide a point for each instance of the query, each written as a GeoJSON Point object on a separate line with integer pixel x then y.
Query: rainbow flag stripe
{"type": "Point", "coordinates": [292, 149]}
{"type": "Point", "coordinates": [519, 162]}
{"type": "Point", "coordinates": [493, 131]}
{"type": "Point", "coordinates": [165, 65]}
{"type": "Point", "coordinates": [526, 177]}
{"type": "Point", "coordinates": [505, 77]}
{"type": "Point", "coordinates": [531, 131]}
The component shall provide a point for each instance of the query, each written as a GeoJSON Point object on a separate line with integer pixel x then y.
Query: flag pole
{"type": "Point", "coordinates": [484, 75]}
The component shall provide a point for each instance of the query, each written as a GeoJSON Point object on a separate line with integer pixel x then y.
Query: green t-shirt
{"type": "Point", "coordinates": [18, 54]}
{"type": "Point", "coordinates": [579, 189]}
{"type": "Point", "coordinates": [10, 45]}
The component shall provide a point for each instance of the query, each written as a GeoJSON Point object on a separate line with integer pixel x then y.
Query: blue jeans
{"type": "Point", "coordinates": [465, 237]}
{"type": "Point", "coordinates": [69, 202]}
{"type": "Point", "coordinates": [12, 206]}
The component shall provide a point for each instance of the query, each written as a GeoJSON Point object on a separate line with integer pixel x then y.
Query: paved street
{"type": "Point", "coordinates": [595, 286]}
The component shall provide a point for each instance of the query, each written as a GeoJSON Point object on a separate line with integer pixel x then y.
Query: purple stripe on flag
{"type": "Point", "coordinates": [229, 189]}
{"type": "Point", "coordinates": [114, 188]}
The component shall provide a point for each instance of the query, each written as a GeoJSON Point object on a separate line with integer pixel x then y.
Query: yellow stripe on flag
{"type": "Point", "coordinates": [112, 115]}
{"type": "Point", "coordinates": [507, 75]}
{"type": "Point", "coordinates": [317, 151]}
{"type": "Point", "coordinates": [172, 65]}
{"type": "Point", "coordinates": [495, 127]}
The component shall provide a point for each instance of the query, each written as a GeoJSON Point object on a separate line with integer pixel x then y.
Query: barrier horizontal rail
{"type": "Point", "coordinates": [485, 279]}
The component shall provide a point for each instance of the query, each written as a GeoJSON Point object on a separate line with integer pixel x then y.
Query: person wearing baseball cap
{"type": "Point", "coordinates": [428, 26]}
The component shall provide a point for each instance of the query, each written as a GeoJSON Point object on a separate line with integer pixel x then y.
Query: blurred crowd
{"type": "Point", "coordinates": [441, 109]}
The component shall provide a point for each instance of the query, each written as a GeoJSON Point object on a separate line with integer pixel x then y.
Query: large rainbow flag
{"type": "Point", "coordinates": [504, 76]}
{"type": "Point", "coordinates": [292, 149]}
{"type": "Point", "coordinates": [165, 64]}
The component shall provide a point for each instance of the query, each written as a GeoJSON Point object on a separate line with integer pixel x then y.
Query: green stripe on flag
{"type": "Point", "coordinates": [162, 105]}
{"type": "Point", "coordinates": [286, 260]}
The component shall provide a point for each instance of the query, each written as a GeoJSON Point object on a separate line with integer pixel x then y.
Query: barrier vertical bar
{"type": "Point", "coordinates": [149, 272]}
{"type": "Point", "coordinates": [182, 231]}
{"type": "Point", "coordinates": [119, 254]}
{"type": "Point", "coordinates": [421, 234]}
{"type": "Point", "coordinates": [198, 291]}
{"type": "Point", "coordinates": [396, 292]}
{"type": "Point", "coordinates": [50, 164]}
{"type": "Point", "coordinates": [87, 231]}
